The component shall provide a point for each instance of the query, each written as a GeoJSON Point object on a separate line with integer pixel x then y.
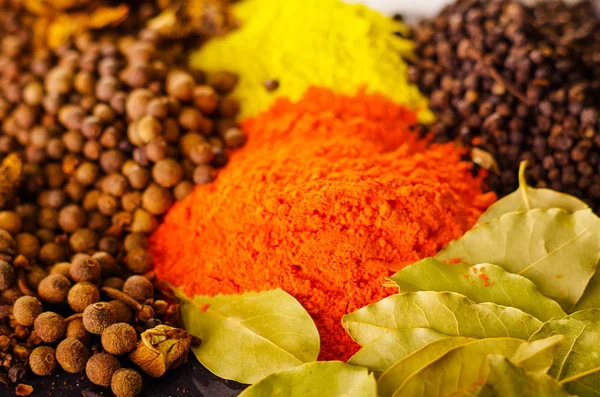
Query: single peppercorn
{"type": "Point", "coordinates": [100, 368]}
{"type": "Point", "coordinates": [72, 355]}
{"type": "Point", "coordinates": [49, 326]}
{"type": "Point", "coordinates": [42, 360]}
{"type": "Point", "coordinates": [7, 275]}
{"type": "Point", "coordinates": [98, 316]}
{"type": "Point", "coordinates": [126, 383]}
{"type": "Point", "coordinates": [83, 240]}
{"type": "Point", "coordinates": [139, 261]}
{"type": "Point", "coordinates": [54, 288]}
{"type": "Point", "coordinates": [85, 268]}
{"type": "Point", "coordinates": [76, 329]}
{"type": "Point", "coordinates": [26, 309]}
{"type": "Point", "coordinates": [81, 295]}
{"type": "Point", "coordinates": [123, 313]}
{"type": "Point", "coordinates": [139, 288]}
{"type": "Point", "coordinates": [119, 339]}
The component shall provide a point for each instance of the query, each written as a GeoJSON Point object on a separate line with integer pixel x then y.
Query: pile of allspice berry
{"type": "Point", "coordinates": [517, 82]}
{"type": "Point", "coordinates": [98, 138]}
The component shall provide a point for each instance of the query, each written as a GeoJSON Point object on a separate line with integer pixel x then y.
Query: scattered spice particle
{"type": "Point", "coordinates": [23, 390]}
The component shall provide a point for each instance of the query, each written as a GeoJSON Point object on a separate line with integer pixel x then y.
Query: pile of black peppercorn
{"type": "Point", "coordinates": [111, 129]}
{"type": "Point", "coordinates": [521, 83]}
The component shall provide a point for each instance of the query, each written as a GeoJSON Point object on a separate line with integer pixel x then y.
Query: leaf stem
{"type": "Point", "coordinates": [523, 184]}
{"type": "Point", "coordinates": [579, 376]}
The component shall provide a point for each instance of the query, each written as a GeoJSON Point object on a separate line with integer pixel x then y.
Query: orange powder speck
{"type": "Point", "coordinates": [329, 194]}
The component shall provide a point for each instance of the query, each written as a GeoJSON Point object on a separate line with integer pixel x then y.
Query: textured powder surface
{"type": "Point", "coordinates": [301, 43]}
{"type": "Point", "coordinates": [328, 196]}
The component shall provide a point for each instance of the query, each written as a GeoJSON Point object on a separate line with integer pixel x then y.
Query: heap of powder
{"type": "Point", "coordinates": [299, 43]}
{"type": "Point", "coordinates": [329, 195]}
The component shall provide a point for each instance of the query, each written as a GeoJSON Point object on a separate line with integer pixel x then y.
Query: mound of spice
{"type": "Point", "coordinates": [521, 83]}
{"type": "Point", "coordinates": [99, 137]}
{"type": "Point", "coordinates": [330, 194]}
{"type": "Point", "coordinates": [283, 47]}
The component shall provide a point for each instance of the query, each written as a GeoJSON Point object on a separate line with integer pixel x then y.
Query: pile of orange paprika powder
{"type": "Point", "coordinates": [330, 196]}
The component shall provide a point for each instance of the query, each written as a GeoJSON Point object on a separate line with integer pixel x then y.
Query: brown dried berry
{"type": "Point", "coordinates": [119, 339]}
{"type": "Point", "coordinates": [76, 329]}
{"type": "Point", "coordinates": [100, 368]}
{"type": "Point", "coordinates": [26, 309]}
{"type": "Point", "coordinates": [54, 288]}
{"type": "Point", "coordinates": [72, 355]}
{"type": "Point", "coordinates": [126, 383]}
{"type": "Point", "coordinates": [42, 360]}
{"type": "Point", "coordinates": [97, 317]}
{"type": "Point", "coordinates": [123, 312]}
{"type": "Point", "coordinates": [81, 295]}
{"type": "Point", "coordinates": [85, 268]}
{"type": "Point", "coordinates": [50, 326]}
{"type": "Point", "coordinates": [139, 288]}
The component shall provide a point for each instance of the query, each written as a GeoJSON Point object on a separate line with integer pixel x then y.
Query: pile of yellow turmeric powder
{"type": "Point", "coordinates": [330, 194]}
{"type": "Point", "coordinates": [299, 43]}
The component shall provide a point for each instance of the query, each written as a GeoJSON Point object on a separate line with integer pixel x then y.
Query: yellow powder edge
{"type": "Point", "coordinates": [301, 43]}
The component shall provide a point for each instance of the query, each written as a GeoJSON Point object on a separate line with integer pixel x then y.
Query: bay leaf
{"type": "Point", "coordinates": [316, 379]}
{"type": "Point", "coordinates": [395, 375]}
{"type": "Point", "coordinates": [591, 295]}
{"type": "Point", "coordinates": [465, 367]}
{"type": "Point", "coordinates": [526, 198]}
{"type": "Point", "coordinates": [506, 379]}
{"type": "Point", "coordinates": [446, 312]}
{"type": "Point", "coordinates": [480, 283]}
{"type": "Point", "coordinates": [390, 348]}
{"type": "Point", "coordinates": [577, 361]}
{"type": "Point", "coordinates": [247, 337]}
{"type": "Point", "coordinates": [556, 250]}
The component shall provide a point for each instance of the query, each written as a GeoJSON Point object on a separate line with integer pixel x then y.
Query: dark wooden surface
{"type": "Point", "coordinates": [192, 379]}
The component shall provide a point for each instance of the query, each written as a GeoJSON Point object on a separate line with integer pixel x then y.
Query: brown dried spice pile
{"type": "Point", "coordinates": [521, 83]}
{"type": "Point", "coordinates": [99, 137]}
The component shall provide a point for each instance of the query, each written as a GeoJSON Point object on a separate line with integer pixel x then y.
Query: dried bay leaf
{"type": "Point", "coordinates": [577, 361]}
{"type": "Point", "coordinates": [247, 337]}
{"type": "Point", "coordinates": [506, 379]}
{"type": "Point", "coordinates": [557, 250]}
{"type": "Point", "coordinates": [526, 198]}
{"type": "Point", "coordinates": [395, 375]}
{"type": "Point", "coordinates": [480, 283]}
{"type": "Point", "coordinates": [390, 348]}
{"type": "Point", "coordinates": [316, 379]}
{"type": "Point", "coordinates": [465, 367]}
{"type": "Point", "coordinates": [445, 312]}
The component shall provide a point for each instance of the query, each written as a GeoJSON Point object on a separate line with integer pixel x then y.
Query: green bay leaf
{"type": "Point", "coordinates": [557, 250]}
{"type": "Point", "coordinates": [506, 379]}
{"type": "Point", "coordinates": [316, 379]}
{"type": "Point", "coordinates": [247, 337]}
{"type": "Point", "coordinates": [445, 312]}
{"type": "Point", "coordinates": [591, 295]}
{"type": "Point", "coordinates": [381, 353]}
{"type": "Point", "coordinates": [396, 374]}
{"type": "Point", "coordinates": [577, 361]}
{"type": "Point", "coordinates": [526, 198]}
{"type": "Point", "coordinates": [465, 367]}
{"type": "Point", "coordinates": [480, 283]}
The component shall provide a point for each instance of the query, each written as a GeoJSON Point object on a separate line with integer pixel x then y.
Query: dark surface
{"type": "Point", "coordinates": [192, 379]}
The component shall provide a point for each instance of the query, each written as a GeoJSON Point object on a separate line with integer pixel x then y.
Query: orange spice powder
{"type": "Point", "coordinates": [330, 195]}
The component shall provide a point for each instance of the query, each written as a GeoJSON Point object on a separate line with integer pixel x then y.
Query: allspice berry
{"type": "Point", "coordinates": [139, 261]}
{"type": "Point", "coordinates": [72, 355]}
{"type": "Point", "coordinates": [100, 368]}
{"type": "Point", "coordinates": [97, 317]}
{"type": "Point", "coordinates": [26, 309]}
{"type": "Point", "coordinates": [180, 85]}
{"type": "Point", "coordinates": [49, 326]}
{"type": "Point", "coordinates": [54, 288]}
{"type": "Point", "coordinates": [156, 199]}
{"type": "Point", "coordinates": [63, 268]}
{"type": "Point", "coordinates": [124, 313]}
{"type": "Point", "coordinates": [114, 282]}
{"type": "Point", "coordinates": [83, 240]}
{"type": "Point", "coordinates": [167, 172]}
{"type": "Point", "coordinates": [126, 383]}
{"type": "Point", "coordinates": [76, 329]}
{"type": "Point", "coordinates": [81, 295]}
{"type": "Point", "coordinates": [85, 268]}
{"type": "Point", "coordinates": [42, 360]}
{"type": "Point", "coordinates": [7, 275]}
{"type": "Point", "coordinates": [11, 222]}
{"type": "Point", "coordinates": [28, 245]}
{"type": "Point", "coordinates": [71, 218]}
{"type": "Point", "coordinates": [139, 288]}
{"type": "Point", "coordinates": [119, 338]}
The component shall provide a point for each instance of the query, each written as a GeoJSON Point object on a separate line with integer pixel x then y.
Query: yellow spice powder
{"type": "Point", "coordinates": [300, 43]}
